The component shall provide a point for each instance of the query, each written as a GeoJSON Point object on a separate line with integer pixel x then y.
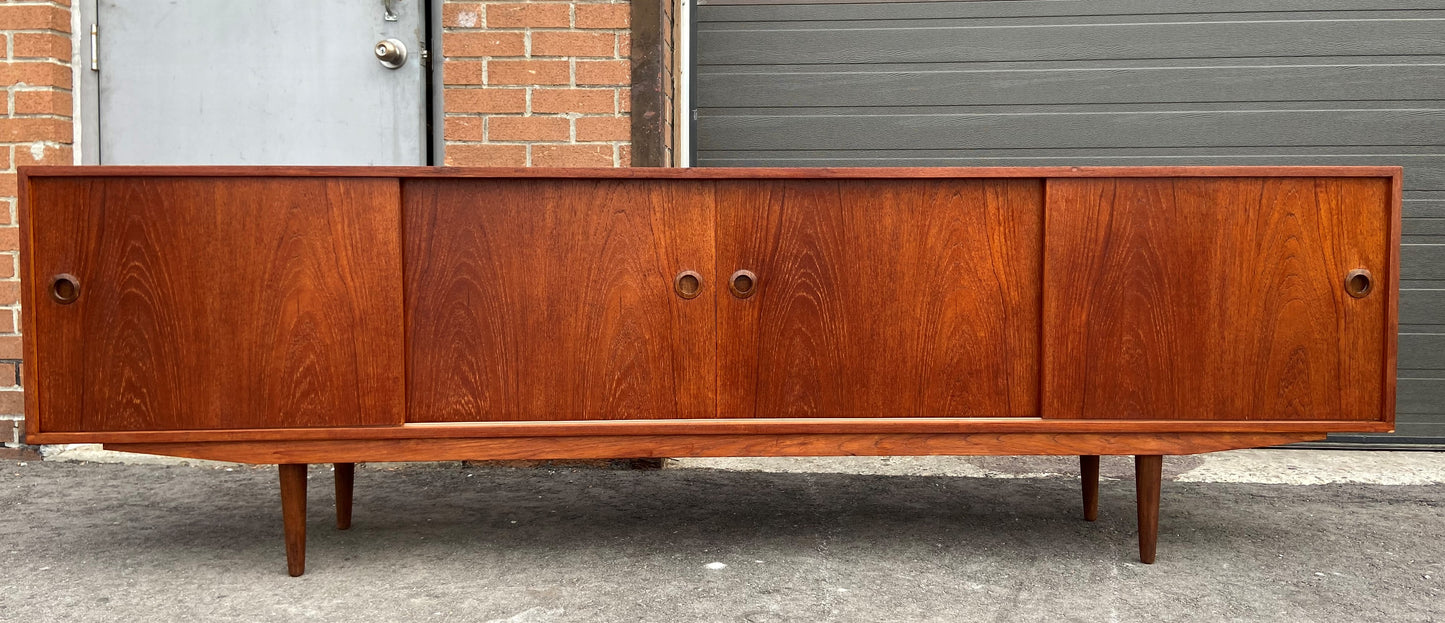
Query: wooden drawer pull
{"type": "Point", "coordinates": [65, 288]}
{"type": "Point", "coordinates": [1359, 282]}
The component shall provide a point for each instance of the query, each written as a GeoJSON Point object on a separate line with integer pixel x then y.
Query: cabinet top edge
{"type": "Point", "coordinates": [708, 173]}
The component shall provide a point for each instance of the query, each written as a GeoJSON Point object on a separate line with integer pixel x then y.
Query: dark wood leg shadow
{"type": "Point", "coordinates": [1089, 477]}
{"type": "Point", "coordinates": [293, 513]}
{"type": "Point", "coordinates": [1148, 470]}
{"type": "Point", "coordinates": [345, 479]}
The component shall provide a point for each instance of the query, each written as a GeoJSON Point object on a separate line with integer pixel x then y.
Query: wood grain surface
{"type": "Point", "coordinates": [1215, 299]}
{"type": "Point", "coordinates": [881, 298]}
{"type": "Point", "coordinates": [269, 304]}
{"type": "Point", "coordinates": [739, 426]}
{"type": "Point", "coordinates": [553, 300]}
{"type": "Point", "coordinates": [604, 447]}
{"type": "Point", "coordinates": [209, 303]}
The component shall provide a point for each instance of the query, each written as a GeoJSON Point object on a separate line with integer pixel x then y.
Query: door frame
{"type": "Point", "coordinates": [87, 83]}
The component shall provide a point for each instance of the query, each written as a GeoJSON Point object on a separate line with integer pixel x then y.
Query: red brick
{"type": "Point", "coordinates": [41, 45]}
{"type": "Point", "coordinates": [604, 129]}
{"type": "Point", "coordinates": [4, 158]}
{"type": "Point", "coordinates": [527, 129]}
{"type": "Point", "coordinates": [464, 155]}
{"type": "Point", "coordinates": [9, 187]}
{"type": "Point", "coordinates": [7, 324]}
{"type": "Point", "coordinates": [571, 155]}
{"type": "Point", "coordinates": [47, 102]}
{"type": "Point", "coordinates": [35, 73]}
{"type": "Point", "coordinates": [528, 72]}
{"type": "Point", "coordinates": [483, 44]}
{"type": "Point", "coordinates": [34, 129]}
{"type": "Point", "coordinates": [51, 155]}
{"type": "Point", "coordinates": [485, 100]}
{"type": "Point", "coordinates": [573, 44]}
{"type": "Point", "coordinates": [9, 241]}
{"type": "Point", "coordinates": [573, 100]}
{"type": "Point", "coordinates": [462, 72]}
{"type": "Point", "coordinates": [9, 292]}
{"type": "Point", "coordinates": [12, 402]}
{"type": "Point", "coordinates": [461, 16]}
{"type": "Point", "coordinates": [10, 347]}
{"type": "Point", "coordinates": [604, 72]}
{"type": "Point", "coordinates": [528, 16]}
{"type": "Point", "coordinates": [624, 100]}
{"type": "Point", "coordinates": [34, 17]}
{"type": "Point", "coordinates": [464, 129]}
{"type": "Point", "coordinates": [7, 270]}
{"type": "Point", "coordinates": [603, 15]}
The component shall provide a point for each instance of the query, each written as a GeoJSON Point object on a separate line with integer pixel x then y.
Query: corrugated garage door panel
{"type": "Point", "coordinates": [1061, 82]}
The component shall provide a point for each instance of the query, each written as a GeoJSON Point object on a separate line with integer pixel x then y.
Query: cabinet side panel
{"type": "Point", "coordinates": [554, 299]}
{"type": "Point", "coordinates": [212, 303]}
{"type": "Point", "coordinates": [1215, 298]}
{"type": "Point", "coordinates": [881, 298]}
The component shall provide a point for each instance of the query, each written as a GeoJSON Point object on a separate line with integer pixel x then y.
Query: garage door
{"type": "Point", "coordinates": [1116, 82]}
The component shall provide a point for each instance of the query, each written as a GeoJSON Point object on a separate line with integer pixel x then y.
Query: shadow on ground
{"type": "Point", "coordinates": [113, 542]}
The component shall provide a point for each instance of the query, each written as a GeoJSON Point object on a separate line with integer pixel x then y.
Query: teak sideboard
{"type": "Point", "coordinates": [342, 315]}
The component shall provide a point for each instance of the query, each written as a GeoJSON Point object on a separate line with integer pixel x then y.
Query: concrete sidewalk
{"type": "Point", "coordinates": [847, 539]}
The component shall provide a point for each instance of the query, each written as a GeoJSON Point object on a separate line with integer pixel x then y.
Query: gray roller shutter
{"type": "Point", "coordinates": [1101, 82]}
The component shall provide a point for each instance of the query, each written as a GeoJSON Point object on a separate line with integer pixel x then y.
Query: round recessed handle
{"type": "Point", "coordinates": [743, 284]}
{"type": "Point", "coordinates": [688, 284]}
{"type": "Point", "coordinates": [1359, 282]}
{"type": "Point", "coordinates": [64, 288]}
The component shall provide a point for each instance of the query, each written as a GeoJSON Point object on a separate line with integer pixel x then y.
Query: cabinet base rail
{"type": "Point", "coordinates": [713, 445]}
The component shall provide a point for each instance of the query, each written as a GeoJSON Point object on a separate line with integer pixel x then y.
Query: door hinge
{"type": "Point", "coordinates": [95, 47]}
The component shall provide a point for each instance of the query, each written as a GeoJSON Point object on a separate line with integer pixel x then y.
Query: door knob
{"type": "Point", "coordinates": [391, 53]}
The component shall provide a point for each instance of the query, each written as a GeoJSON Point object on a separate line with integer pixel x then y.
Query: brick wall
{"type": "Point", "coordinates": [35, 128]}
{"type": "Point", "coordinates": [536, 83]}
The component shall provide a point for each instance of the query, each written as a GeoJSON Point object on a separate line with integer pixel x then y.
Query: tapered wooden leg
{"type": "Point", "coordinates": [1147, 472]}
{"type": "Point", "coordinates": [345, 477]}
{"type": "Point", "coordinates": [1089, 477]}
{"type": "Point", "coordinates": [293, 513]}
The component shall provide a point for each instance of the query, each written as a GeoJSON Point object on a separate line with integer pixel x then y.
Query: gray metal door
{"type": "Point", "coordinates": [259, 82]}
{"type": "Point", "coordinates": [1101, 82]}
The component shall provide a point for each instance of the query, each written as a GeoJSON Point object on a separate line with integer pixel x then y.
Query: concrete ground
{"type": "Point", "coordinates": [1251, 535]}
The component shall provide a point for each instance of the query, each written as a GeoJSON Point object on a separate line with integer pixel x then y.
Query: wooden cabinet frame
{"type": "Point", "coordinates": [1265, 213]}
